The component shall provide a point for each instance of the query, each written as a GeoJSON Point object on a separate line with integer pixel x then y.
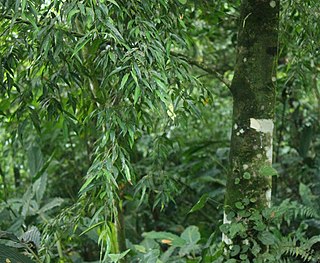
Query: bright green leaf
{"type": "Point", "coordinates": [268, 171]}
{"type": "Point", "coordinates": [183, 1]}
{"type": "Point", "coordinates": [247, 175]}
{"type": "Point", "coordinates": [137, 93]}
{"type": "Point", "coordinates": [200, 204]}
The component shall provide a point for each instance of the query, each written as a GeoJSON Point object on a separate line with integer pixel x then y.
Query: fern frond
{"type": "Point", "coordinates": [288, 246]}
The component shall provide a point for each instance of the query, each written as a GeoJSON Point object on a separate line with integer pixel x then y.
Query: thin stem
{"type": "Point", "coordinates": [207, 68]}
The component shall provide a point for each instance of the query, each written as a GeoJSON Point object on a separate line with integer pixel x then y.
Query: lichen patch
{"type": "Point", "coordinates": [273, 4]}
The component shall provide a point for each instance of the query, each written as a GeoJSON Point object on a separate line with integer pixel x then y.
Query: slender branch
{"type": "Point", "coordinates": [26, 22]}
{"type": "Point", "coordinates": [207, 68]}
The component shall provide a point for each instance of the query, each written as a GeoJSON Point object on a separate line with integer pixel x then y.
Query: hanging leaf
{"type": "Point", "coordinates": [137, 93]}
{"type": "Point", "coordinates": [268, 171]}
{"type": "Point", "coordinates": [124, 80]}
{"type": "Point", "coordinates": [200, 204]}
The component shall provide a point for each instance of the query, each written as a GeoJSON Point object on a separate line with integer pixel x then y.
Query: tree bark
{"type": "Point", "coordinates": [253, 91]}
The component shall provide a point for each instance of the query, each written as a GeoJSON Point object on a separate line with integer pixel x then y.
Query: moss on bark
{"type": "Point", "coordinates": [254, 102]}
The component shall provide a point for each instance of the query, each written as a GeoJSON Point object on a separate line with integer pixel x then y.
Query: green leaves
{"type": "Point", "coordinates": [118, 257]}
{"type": "Point", "coordinates": [137, 93]}
{"type": "Point", "coordinates": [268, 171]}
{"type": "Point", "coordinates": [239, 205]}
{"type": "Point", "coordinates": [166, 237]}
{"type": "Point", "coordinates": [124, 80]}
{"type": "Point", "coordinates": [200, 204]}
{"type": "Point", "coordinates": [8, 254]}
{"type": "Point", "coordinates": [183, 1]}
{"type": "Point", "coordinates": [246, 175]}
{"type": "Point", "coordinates": [266, 238]}
{"type": "Point", "coordinates": [191, 235]}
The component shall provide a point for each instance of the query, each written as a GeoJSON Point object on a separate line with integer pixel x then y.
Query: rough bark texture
{"type": "Point", "coordinates": [253, 93]}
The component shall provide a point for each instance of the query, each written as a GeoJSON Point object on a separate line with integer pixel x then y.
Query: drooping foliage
{"type": "Point", "coordinates": [121, 109]}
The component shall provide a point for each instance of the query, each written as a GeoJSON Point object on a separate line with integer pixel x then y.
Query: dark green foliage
{"type": "Point", "coordinates": [123, 106]}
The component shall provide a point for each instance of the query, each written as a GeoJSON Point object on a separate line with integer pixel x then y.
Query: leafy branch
{"type": "Point", "coordinates": [205, 67]}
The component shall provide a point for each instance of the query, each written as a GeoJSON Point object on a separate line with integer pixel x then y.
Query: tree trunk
{"type": "Point", "coordinates": [253, 91]}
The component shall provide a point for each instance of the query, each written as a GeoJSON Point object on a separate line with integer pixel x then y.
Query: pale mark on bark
{"type": "Point", "coordinates": [273, 4]}
{"type": "Point", "coordinates": [262, 125]}
{"type": "Point", "coordinates": [225, 239]}
{"type": "Point", "coordinates": [268, 197]}
{"type": "Point", "coordinates": [269, 152]}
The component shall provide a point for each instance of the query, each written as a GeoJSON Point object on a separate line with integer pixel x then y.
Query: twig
{"type": "Point", "coordinates": [204, 67]}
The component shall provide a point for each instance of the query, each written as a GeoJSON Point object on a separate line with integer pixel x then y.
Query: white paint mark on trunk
{"type": "Point", "coordinates": [262, 125]}
{"type": "Point", "coordinates": [269, 152]}
{"type": "Point", "coordinates": [273, 4]}
{"type": "Point", "coordinates": [268, 197]}
{"type": "Point", "coordinates": [225, 239]}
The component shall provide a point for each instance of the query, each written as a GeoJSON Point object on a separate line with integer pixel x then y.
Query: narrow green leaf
{"type": "Point", "coordinates": [23, 5]}
{"type": "Point", "coordinates": [124, 80]}
{"type": "Point", "coordinates": [83, 41]}
{"type": "Point", "coordinates": [35, 119]}
{"type": "Point", "coordinates": [91, 227]}
{"type": "Point", "coordinates": [200, 204]}
{"type": "Point", "coordinates": [72, 13]}
{"type": "Point", "coordinates": [114, 30]}
{"type": "Point", "coordinates": [86, 184]}
{"type": "Point", "coordinates": [136, 68]}
{"type": "Point", "coordinates": [114, 2]}
{"type": "Point", "coordinates": [127, 173]}
{"type": "Point", "coordinates": [13, 255]}
{"type": "Point", "coordinates": [53, 203]}
{"type": "Point", "coordinates": [160, 84]}
{"type": "Point", "coordinates": [117, 70]}
{"type": "Point", "coordinates": [137, 93]}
